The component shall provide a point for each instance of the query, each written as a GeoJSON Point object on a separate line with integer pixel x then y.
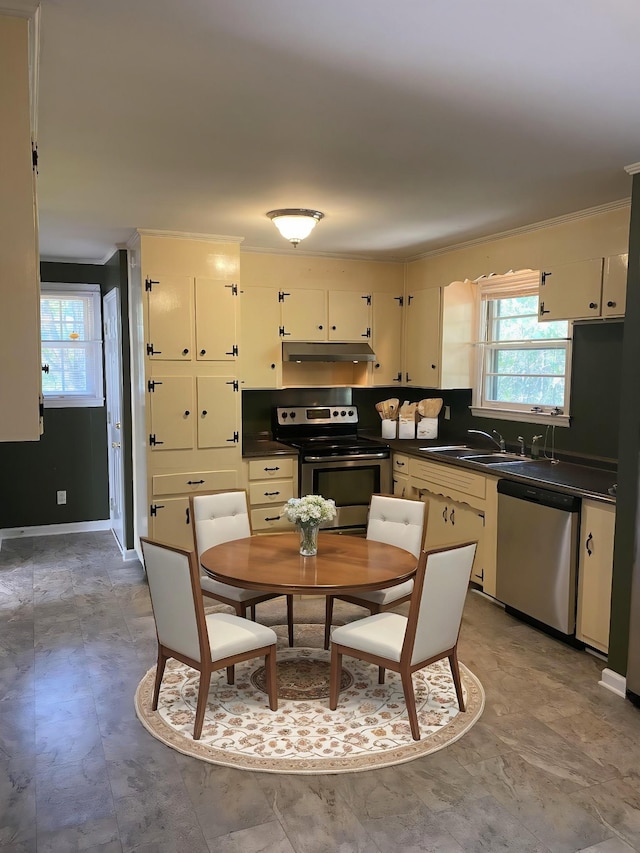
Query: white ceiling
{"type": "Point", "coordinates": [412, 125]}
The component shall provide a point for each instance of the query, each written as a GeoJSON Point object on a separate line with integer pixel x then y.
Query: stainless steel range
{"type": "Point", "coordinates": [335, 461]}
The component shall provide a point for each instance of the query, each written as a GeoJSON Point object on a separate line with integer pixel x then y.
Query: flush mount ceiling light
{"type": "Point", "coordinates": [295, 223]}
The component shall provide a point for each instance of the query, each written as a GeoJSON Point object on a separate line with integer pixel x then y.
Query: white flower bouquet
{"type": "Point", "coordinates": [311, 510]}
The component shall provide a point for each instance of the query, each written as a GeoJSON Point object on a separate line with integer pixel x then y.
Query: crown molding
{"type": "Point", "coordinates": [188, 235]}
{"type": "Point", "coordinates": [633, 169]}
{"type": "Point", "coordinates": [525, 229]}
{"type": "Point", "coordinates": [20, 8]}
{"type": "Point", "coordinates": [59, 259]}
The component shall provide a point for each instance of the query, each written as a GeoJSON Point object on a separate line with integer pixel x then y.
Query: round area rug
{"type": "Point", "coordinates": [369, 729]}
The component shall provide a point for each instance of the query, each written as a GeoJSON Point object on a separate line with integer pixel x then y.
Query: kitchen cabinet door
{"type": "Point", "coordinates": [571, 291]}
{"type": "Point", "coordinates": [170, 522]}
{"type": "Point", "coordinates": [304, 315]}
{"type": "Point", "coordinates": [386, 323]}
{"type": "Point", "coordinates": [614, 285]}
{"type": "Point", "coordinates": [217, 413]}
{"type": "Point", "coordinates": [216, 327]}
{"type": "Point", "coordinates": [422, 338]}
{"type": "Point", "coordinates": [172, 410]}
{"type": "Point", "coordinates": [400, 466]}
{"type": "Point", "coordinates": [170, 318]}
{"type": "Point", "coordinates": [595, 572]}
{"type": "Point", "coordinates": [349, 316]}
{"type": "Point", "coordinates": [260, 347]}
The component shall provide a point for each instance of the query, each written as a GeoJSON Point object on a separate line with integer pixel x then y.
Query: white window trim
{"type": "Point", "coordinates": [74, 401]}
{"type": "Point", "coordinates": [513, 284]}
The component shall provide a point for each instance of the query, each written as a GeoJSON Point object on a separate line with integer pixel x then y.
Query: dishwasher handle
{"type": "Point", "coordinates": [544, 497]}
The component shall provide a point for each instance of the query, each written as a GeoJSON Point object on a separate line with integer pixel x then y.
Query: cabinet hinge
{"type": "Point", "coordinates": [282, 332]}
{"type": "Point", "coordinates": [34, 157]}
{"type": "Point", "coordinates": [153, 440]}
{"type": "Point", "coordinates": [368, 298]}
{"type": "Point", "coordinates": [544, 310]}
{"type": "Point", "coordinates": [282, 295]}
{"type": "Point", "coordinates": [400, 300]}
{"type": "Point", "coordinates": [234, 350]}
{"type": "Point", "coordinates": [45, 368]}
{"type": "Point", "coordinates": [366, 334]}
{"type": "Point", "coordinates": [151, 385]}
{"type": "Point", "coordinates": [543, 278]}
{"type": "Point", "coordinates": [397, 378]}
{"type": "Point", "coordinates": [148, 283]}
{"type": "Point", "coordinates": [234, 289]}
{"type": "Point", "coordinates": [235, 439]}
{"type": "Point", "coordinates": [409, 298]}
{"type": "Point", "coordinates": [41, 408]}
{"type": "Point", "coordinates": [233, 382]}
{"type": "Point", "coordinates": [153, 508]}
{"type": "Point", "coordinates": [152, 351]}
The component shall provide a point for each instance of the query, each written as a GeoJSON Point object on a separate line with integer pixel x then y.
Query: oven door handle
{"type": "Point", "coordinates": [354, 456]}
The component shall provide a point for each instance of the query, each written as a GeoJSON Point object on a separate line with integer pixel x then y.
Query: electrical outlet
{"type": "Point", "coordinates": [447, 413]}
{"type": "Point", "coordinates": [61, 497]}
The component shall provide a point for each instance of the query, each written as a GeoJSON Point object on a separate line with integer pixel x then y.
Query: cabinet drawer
{"type": "Point", "coordinates": [269, 518]}
{"type": "Point", "coordinates": [193, 481]}
{"type": "Point", "coordinates": [277, 467]}
{"type": "Point", "coordinates": [400, 464]}
{"type": "Point", "coordinates": [270, 492]}
{"type": "Point", "coordinates": [457, 481]}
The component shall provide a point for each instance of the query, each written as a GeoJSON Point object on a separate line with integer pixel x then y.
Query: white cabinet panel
{"type": "Point", "coordinates": [260, 348]}
{"type": "Point", "coordinates": [304, 315]}
{"type": "Point", "coordinates": [386, 324]}
{"type": "Point", "coordinates": [170, 318]}
{"type": "Point", "coordinates": [571, 291]}
{"type": "Point", "coordinates": [172, 404]}
{"type": "Point", "coordinates": [216, 333]}
{"type": "Point", "coordinates": [349, 316]}
{"type": "Point", "coordinates": [217, 411]}
{"type": "Point", "coordinates": [422, 338]}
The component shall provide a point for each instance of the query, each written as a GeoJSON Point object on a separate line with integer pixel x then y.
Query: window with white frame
{"type": "Point", "coordinates": [523, 366]}
{"type": "Point", "coordinates": [71, 333]}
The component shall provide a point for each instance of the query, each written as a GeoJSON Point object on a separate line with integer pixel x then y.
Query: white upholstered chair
{"type": "Point", "coordinates": [222, 516]}
{"type": "Point", "coordinates": [406, 644]}
{"type": "Point", "coordinates": [396, 521]}
{"type": "Point", "coordinates": [205, 643]}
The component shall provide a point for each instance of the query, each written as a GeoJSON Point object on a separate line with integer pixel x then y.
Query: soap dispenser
{"type": "Point", "coordinates": [535, 447]}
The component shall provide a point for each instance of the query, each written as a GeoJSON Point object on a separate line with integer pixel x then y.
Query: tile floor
{"type": "Point", "coordinates": [553, 764]}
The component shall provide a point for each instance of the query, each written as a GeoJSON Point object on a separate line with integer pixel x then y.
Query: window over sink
{"type": "Point", "coordinates": [523, 367]}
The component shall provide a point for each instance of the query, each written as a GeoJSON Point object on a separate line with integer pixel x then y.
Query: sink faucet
{"type": "Point", "coordinates": [522, 450]}
{"type": "Point", "coordinates": [499, 441]}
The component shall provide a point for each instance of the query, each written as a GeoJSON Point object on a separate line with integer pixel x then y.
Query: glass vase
{"type": "Point", "coordinates": [308, 539]}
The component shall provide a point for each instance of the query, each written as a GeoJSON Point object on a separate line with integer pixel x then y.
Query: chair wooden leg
{"type": "Point", "coordinates": [328, 618]}
{"type": "Point", "coordinates": [231, 674]}
{"type": "Point", "coordinates": [162, 660]}
{"type": "Point", "coordinates": [334, 679]}
{"type": "Point", "coordinates": [252, 613]}
{"type": "Point", "coordinates": [290, 619]}
{"type": "Point", "coordinates": [381, 672]}
{"type": "Point", "coordinates": [272, 678]}
{"type": "Point", "coordinates": [410, 701]}
{"type": "Point", "coordinates": [203, 692]}
{"type": "Point", "coordinates": [455, 672]}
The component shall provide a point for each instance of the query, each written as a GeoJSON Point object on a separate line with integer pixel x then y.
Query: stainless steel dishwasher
{"type": "Point", "coordinates": [537, 554]}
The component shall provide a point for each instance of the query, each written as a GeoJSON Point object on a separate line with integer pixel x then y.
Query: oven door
{"type": "Point", "coordinates": [349, 481]}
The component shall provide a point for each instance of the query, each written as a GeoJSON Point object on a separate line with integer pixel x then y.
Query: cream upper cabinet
{"type": "Point", "coordinates": [304, 315]}
{"type": "Point", "coordinates": [386, 325]}
{"type": "Point", "coordinates": [595, 572]}
{"type": "Point", "coordinates": [614, 285]}
{"type": "Point", "coordinates": [215, 318]}
{"type": "Point", "coordinates": [260, 346]}
{"type": "Point", "coordinates": [172, 408]}
{"type": "Point", "coordinates": [218, 411]}
{"type": "Point", "coordinates": [19, 271]}
{"type": "Point", "coordinates": [349, 316]}
{"type": "Point", "coordinates": [170, 318]}
{"type": "Point", "coordinates": [571, 291]}
{"type": "Point", "coordinates": [422, 338]}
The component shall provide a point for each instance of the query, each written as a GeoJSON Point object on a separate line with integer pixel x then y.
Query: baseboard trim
{"type": "Point", "coordinates": [53, 529]}
{"type": "Point", "coordinates": [614, 682]}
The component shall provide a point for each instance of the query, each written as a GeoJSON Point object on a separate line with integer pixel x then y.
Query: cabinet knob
{"type": "Point", "coordinates": [433, 367]}
{"type": "Point", "coordinates": [611, 304]}
{"type": "Point", "coordinates": [322, 327]}
{"type": "Point", "coordinates": [203, 352]}
{"type": "Point", "coordinates": [333, 328]}
{"type": "Point", "coordinates": [204, 413]}
{"type": "Point", "coordinates": [185, 352]}
{"type": "Point", "coordinates": [377, 365]}
{"type": "Point", "coordinates": [187, 413]}
{"type": "Point", "coordinates": [273, 367]}
{"type": "Point", "coordinates": [593, 305]}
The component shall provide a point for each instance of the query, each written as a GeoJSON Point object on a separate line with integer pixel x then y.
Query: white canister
{"type": "Point", "coordinates": [427, 428]}
{"type": "Point", "coordinates": [389, 428]}
{"type": "Point", "coordinates": [406, 428]}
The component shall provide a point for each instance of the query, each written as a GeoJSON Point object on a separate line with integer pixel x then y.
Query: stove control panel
{"type": "Point", "coordinates": [317, 415]}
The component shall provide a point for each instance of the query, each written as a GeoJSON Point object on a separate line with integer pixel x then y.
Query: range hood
{"type": "Point", "coordinates": [292, 351]}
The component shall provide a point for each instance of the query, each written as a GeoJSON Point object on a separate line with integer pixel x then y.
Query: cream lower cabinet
{"type": "Point", "coordinates": [400, 465]}
{"type": "Point", "coordinates": [595, 571]}
{"type": "Point", "coordinates": [458, 501]}
{"type": "Point", "coordinates": [271, 482]}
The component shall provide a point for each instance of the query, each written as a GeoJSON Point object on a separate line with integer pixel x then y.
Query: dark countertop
{"type": "Point", "coordinates": [265, 447]}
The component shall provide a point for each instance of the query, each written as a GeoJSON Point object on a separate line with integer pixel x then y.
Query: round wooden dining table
{"type": "Point", "coordinates": [343, 564]}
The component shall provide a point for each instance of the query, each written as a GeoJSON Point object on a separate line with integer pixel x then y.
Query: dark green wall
{"type": "Point", "coordinates": [71, 455]}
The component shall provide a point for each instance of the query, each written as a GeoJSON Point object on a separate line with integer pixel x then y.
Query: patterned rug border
{"type": "Point", "coordinates": [445, 736]}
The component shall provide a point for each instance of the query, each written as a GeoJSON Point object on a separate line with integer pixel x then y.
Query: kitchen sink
{"type": "Point", "coordinates": [474, 454]}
